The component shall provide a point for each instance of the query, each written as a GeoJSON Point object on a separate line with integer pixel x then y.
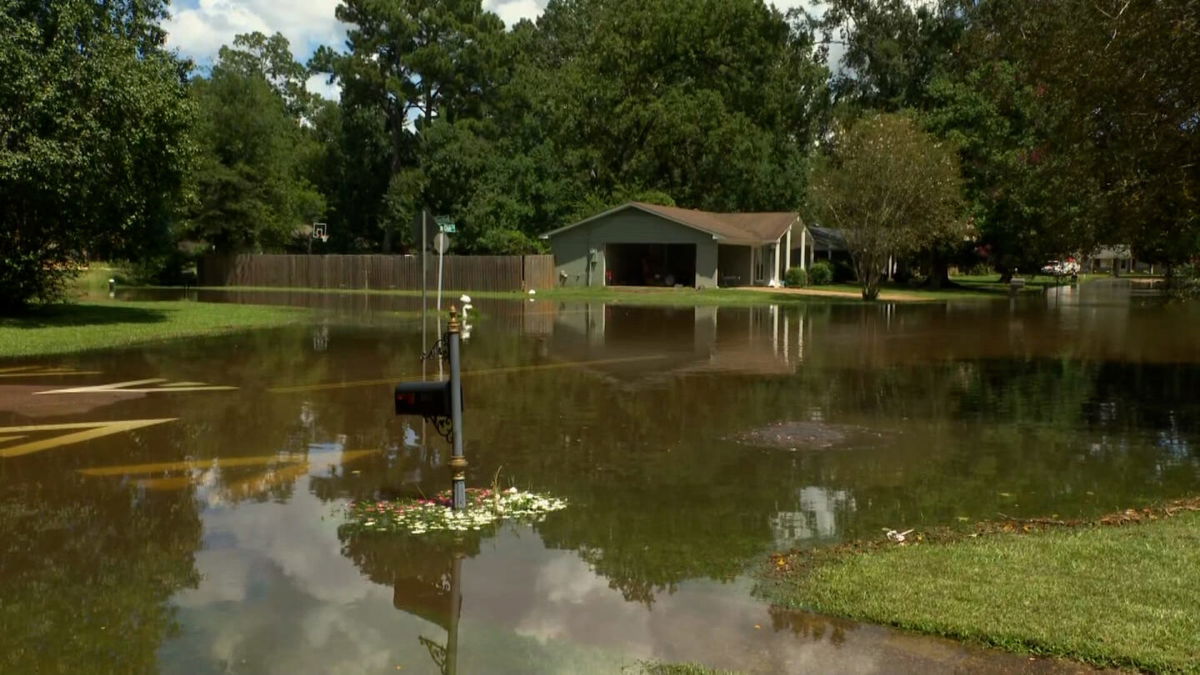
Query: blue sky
{"type": "Point", "coordinates": [198, 28]}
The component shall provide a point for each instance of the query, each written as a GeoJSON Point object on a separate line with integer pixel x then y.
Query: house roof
{"type": "Point", "coordinates": [739, 228]}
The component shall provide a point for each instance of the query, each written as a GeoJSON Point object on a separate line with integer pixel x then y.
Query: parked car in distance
{"type": "Point", "coordinates": [1059, 268]}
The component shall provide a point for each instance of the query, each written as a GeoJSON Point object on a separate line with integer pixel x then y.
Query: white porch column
{"type": "Point", "coordinates": [787, 252]}
{"type": "Point", "coordinates": [750, 279]}
{"type": "Point", "coordinates": [774, 280]}
{"type": "Point", "coordinates": [804, 248]}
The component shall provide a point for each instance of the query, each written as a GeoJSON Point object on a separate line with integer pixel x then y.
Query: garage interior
{"type": "Point", "coordinates": [650, 265]}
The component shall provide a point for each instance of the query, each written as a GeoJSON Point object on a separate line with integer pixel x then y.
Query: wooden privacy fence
{"type": "Point", "coordinates": [379, 272]}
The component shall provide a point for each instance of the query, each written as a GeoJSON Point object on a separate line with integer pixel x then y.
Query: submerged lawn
{"type": "Point", "coordinates": [1125, 596]}
{"type": "Point", "coordinates": [62, 329]}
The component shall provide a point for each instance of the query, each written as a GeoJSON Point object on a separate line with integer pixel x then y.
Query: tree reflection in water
{"type": "Point", "coordinates": [86, 572]}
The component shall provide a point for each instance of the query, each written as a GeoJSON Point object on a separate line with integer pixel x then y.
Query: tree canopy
{"type": "Point", "coordinates": [94, 120]}
{"type": "Point", "coordinates": [1075, 123]}
{"type": "Point", "coordinates": [892, 190]}
{"type": "Point", "coordinates": [249, 187]}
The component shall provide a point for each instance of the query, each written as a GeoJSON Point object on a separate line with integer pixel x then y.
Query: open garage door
{"type": "Point", "coordinates": [650, 265]}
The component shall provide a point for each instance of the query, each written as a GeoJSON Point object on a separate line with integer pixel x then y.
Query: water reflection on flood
{"type": "Point", "coordinates": [211, 543]}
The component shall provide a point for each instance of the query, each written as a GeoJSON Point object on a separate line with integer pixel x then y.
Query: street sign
{"type": "Point", "coordinates": [441, 243]}
{"type": "Point", "coordinates": [444, 224]}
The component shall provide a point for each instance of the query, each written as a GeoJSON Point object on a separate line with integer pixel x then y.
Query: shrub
{"type": "Point", "coordinates": [820, 273]}
{"type": "Point", "coordinates": [981, 270]}
{"type": "Point", "coordinates": [1184, 282]}
{"type": "Point", "coordinates": [796, 277]}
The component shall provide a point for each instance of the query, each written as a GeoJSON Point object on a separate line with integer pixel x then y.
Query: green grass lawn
{"type": "Point", "coordinates": [690, 297]}
{"type": "Point", "coordinates": [991, 282]}
{"type": "Point", "coordinates": [62, 329]}
{"type": "Point", "coordinates": [681, 296]}
{"type": "Point", "coordinates": [1112, 596]}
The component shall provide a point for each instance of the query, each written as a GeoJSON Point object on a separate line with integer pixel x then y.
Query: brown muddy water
{"type": "Point", "coordinates": [176, 508]}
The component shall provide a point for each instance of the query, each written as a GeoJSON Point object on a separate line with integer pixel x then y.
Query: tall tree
{"type": "Point", "coordinates": [892, 190]}
{"type": "Point", "coordinates": [250, 188]}
{"type": "Point", "coordinates": [714, 103]}
{"type": "Point", "coordinates": [885, 53]}
{"type": "Point", "coordinates": [409, 65]}
{"type": "Point", "coordinates": [1078, 124]}
{"type": "Point", "coordinates": [93, 144]}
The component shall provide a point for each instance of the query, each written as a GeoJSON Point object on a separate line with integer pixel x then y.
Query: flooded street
{"type": "Point", "coordinates": [175, 508]}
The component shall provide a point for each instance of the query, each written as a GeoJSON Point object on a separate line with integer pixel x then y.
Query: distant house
{"type": "Point", "coordinates": [639, 244]}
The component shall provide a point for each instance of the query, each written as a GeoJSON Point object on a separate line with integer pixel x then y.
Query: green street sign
{"type": "Point", "coordinates": [444, 224]}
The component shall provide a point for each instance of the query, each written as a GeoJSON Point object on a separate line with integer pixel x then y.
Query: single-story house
{"type": "Point", "coordinates": [1115, 260]}
{"type": "Point", "coordinates": [639, 244]}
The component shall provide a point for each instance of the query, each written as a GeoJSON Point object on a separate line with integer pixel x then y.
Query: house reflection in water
{"type": "Point", "coordinates": [629, 343]}
{"type": "Point", "coordinates": [426, 581]}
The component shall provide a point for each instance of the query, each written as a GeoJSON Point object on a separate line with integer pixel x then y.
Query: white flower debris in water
{"type": "Point", "coordinates": [485, 507]}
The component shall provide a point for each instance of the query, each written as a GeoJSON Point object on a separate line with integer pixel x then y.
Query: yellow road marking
{"type": "Point", "coordinates": [136, 386]}
{"type": "Point", "coordinates": [470, 373]}
{"type": "Point", "coordinates": [39, 371]}
{"type": "Point", "coordinates": [91, 430]}
{"type": "Point", "coordinates": [224, 463]}
{"type": "Point", "coordinates": [172, 483]}
{"type": "Point", "coordinates": [259, 484]}
{"type": "Point", "coordinates": [5, 439]}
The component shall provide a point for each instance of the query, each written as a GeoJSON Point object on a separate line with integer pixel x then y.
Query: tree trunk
{"type": "Point", "coordinates": [939, 273]}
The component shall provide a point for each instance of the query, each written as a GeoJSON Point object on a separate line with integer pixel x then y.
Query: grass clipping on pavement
{"type": "Point", "coordinates": [1115, 592]}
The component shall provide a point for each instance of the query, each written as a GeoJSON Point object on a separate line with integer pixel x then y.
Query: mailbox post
{"type": "Point", "coordinates": [441, 403]}
{"type": "Point", "coordinates": [458, 463]}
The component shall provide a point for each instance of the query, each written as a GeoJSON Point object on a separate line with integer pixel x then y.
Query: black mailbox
{"type": "Point", "coordinates": [423, 399]}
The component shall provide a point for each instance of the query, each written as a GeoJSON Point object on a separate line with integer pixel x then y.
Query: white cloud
{"type": "Point", "coordinates": [512, 11]}
{"type": "Point", "coordinates": [199, 28]}
{"type": "Point", "coordinates": [319, 84]}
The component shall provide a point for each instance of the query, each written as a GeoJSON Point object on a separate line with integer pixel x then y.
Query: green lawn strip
{"type": "Point", "coordinates": [920, 294]}
{"type": "Point", "coordinates": [991, 282]}
{"type": "Point", "coordinates": [690, 297]}
{"type": "Point", "coordinates": [63, 329]}
{"type": "Point", "coordinates": [1124, 595]}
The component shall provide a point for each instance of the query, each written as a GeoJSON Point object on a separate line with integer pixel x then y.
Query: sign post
{"type": "Point", "coordinates": [424, 270]}
{"type": "Point", "coordinates": [441, 244]}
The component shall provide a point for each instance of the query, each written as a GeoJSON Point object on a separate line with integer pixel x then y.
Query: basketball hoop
{"type": "Point", "coordinates": [320, 231]}
{"type": "Point", "coordinates": [324, 238]}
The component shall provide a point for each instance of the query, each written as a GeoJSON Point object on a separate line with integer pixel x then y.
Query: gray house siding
{"type": "Point", "coordinates": [573, 247]}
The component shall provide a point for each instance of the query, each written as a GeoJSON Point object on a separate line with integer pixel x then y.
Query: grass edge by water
{"type": "Point", "coordinates": [994, 586]}
{"type": "Point", "coordinates": [973, 288]}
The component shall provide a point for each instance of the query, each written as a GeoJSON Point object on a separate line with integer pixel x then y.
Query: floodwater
{"type": "Point", "coordinates": [175, 508]}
